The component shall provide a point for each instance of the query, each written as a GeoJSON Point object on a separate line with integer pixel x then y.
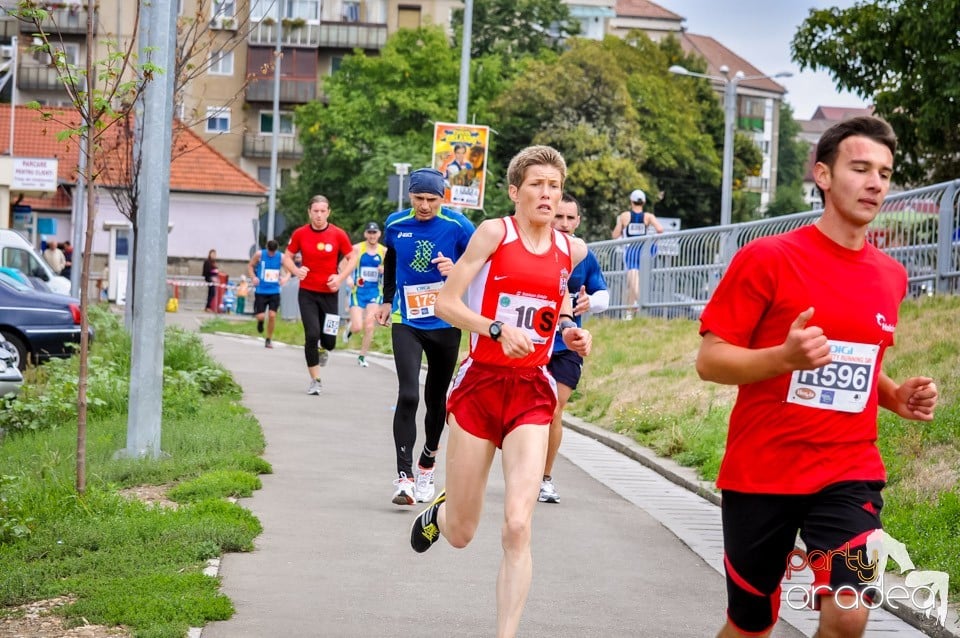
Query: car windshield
{"type": "Point", "coordinates": [9, 281]}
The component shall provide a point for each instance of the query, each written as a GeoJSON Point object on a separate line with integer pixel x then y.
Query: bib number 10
{"type": "Point", "coordinates": [538, 320]}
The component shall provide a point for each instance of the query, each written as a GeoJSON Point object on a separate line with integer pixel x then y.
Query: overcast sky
{"type": "Point", "coordinates": [760, 31]}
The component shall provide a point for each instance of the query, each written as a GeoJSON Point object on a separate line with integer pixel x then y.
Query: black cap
{"type": "Point", "coordinates": [372, 227]}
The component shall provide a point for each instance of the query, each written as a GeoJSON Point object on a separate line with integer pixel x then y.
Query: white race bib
{"type": "Point", "coordinates": [535, 316]}
{"type": "Point", "coordinates": [842, 385]}
{"type": "Point", "coordinates": [271, 275]}
{"type": "Point", "coordinates": [369, 273]}
{"type": "Point", "coordinates": [421, 299]}
{"type": "Point", "coordinates": [636, 228]}
{"type": "Point", "coordinates": [330, 325]}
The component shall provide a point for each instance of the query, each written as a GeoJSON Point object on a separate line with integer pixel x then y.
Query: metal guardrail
{"type": "Point", "coordinates": [679, 271]}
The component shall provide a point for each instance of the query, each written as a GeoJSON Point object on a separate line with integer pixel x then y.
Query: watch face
{"type": "Point", "coordinates": [495, 330]}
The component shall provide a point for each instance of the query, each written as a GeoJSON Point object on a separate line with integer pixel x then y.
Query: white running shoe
{"type": "Point", "coordinates": [548, 493]}
{"type": "Point", "coordinates": [404, 493]}
{"type": "Point", "coordinates": [346, 336]}
{"type": "Point", "coordinates": [424, 489]}
{"type": "Point", "coordinates": [362, 361]}
{"type": "Point", "coordinates": [315, 387]}
{"type": "Point", "coordinates": [324, 357]}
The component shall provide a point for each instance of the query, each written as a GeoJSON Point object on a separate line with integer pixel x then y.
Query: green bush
{"type": "Point", "coordinates": [14, 523]}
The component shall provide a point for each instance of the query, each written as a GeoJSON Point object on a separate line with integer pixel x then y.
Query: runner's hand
{"type": "Point", "coordinates": [916, 398]}
{"type": "Point", "coordinates": [578, 340]}
{"type": "Point", "coordinates": [806, 348]}
{"type": "Point", "coordinates": [514, 342]}
{"type": "Point", "coordinates": [444, 264]}
{"type": "Point", "coordinates": [583, 302]}
{"type": "Point", "coordinates": [383, 314]}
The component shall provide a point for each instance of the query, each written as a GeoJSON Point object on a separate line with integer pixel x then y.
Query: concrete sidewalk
{"type": "Point", "coordinates": [334, 559]}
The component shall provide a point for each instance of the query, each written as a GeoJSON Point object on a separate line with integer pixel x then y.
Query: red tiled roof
{"type": "Point", "coordinates": [644, 9]}
{"type": "Point", "coordinates": [195, 167]}
{"type": "Point", "coordinates": [717, 55]}
{"type": "Point", "coordinates": [840, 113]}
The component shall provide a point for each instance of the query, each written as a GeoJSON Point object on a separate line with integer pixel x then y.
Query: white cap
{"type": "Point", "coordinates": [638, 196]}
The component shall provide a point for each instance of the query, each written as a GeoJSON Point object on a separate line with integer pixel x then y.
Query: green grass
{"type": "Point", "coordinates": [124, 561]}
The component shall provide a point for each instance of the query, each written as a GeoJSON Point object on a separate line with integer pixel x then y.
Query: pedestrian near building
{"type": "Point", "coordinates": [322, 246]}
{"type": "Point", "coordinates": [800, 322]}
{"type": "Point", "coordinates": [265, 269]}
{"type": "Point", "coordinates": [514, 273]}
{"type": "Point", "coordinates": [367, 294]}
{"type": "Point", "coordinates": [634, 222]}
{"type": "Point", "coordinates": [589, 290]}
{"type": "Point", "coordinates": [54, 257]}
{"type": "Point", "coordinates": [67, 260]}
{"type": "Point", "coordinates": [243, 291]}
{"type": "Point", "coordinates": [422, 242]}
{"type": "Point", "coordinates": [211, 272]}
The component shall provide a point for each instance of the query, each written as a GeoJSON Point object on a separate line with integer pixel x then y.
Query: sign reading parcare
{"type": "Point", "coordinates": [34, 174]}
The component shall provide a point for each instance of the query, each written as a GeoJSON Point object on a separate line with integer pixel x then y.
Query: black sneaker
{"type": "Point", "coordinates": [425, 532]}
{"type": "Point", "coordinates": [267, 344]}
{"type": "Point", "coordinates": [260, 326]}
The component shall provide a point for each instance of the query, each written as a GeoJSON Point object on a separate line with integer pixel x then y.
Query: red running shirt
{"type": "Point", "coordinates": [797, 433]}
{"type": "Point", "coordinates": [322, 251]}
{"type": "Point", "coordinates": [522, 290]}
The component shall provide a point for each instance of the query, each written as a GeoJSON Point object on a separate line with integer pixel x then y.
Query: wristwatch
{"type": "Point", "coordinates": [495, 330]}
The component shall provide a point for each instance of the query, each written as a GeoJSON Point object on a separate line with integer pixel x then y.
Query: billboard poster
{"type": "Point", "coordinates": [460, 153]}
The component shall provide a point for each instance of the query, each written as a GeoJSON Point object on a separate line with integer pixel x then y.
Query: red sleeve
{"type": "Point", "coordinates": [346, 246]}
{"type": "Point", "coordinates": [294, 244]}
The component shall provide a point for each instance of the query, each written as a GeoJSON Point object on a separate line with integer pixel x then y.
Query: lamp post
{"type": "Point", "coordinates": [402, 169]}
{"type": "Point", "coordinates": [729, 123]}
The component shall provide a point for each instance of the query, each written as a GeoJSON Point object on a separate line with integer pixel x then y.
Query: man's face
{"type": "Point", "coordinates": [538, 195]}
{"type": "Point", "coordinates": [567, 218]}
{"type": "Point", "coordinates": [425, 205]}
{"type": "Point", "coordinates": [459, 154]}
{"type": "Point", "coordinates": [859, 180]}
{"type": "Point", "coordinates": [319, 212]}
{"type": "Point", "coordinates": [372, 236]}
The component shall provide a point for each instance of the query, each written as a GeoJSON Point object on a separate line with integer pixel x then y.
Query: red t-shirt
{"type": "Point", "coordinates": [788, 434]}
{"type": "Point", "coordinates": [321, 251]}
{"type": "Point", "coordinates": [521, 290]}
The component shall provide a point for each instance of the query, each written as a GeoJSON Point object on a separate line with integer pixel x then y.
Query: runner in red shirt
{"type": "Point", "coordinates": [800, 322]}
{"type": "Point", "coordinates": [516, 269]}
{"type": "Point", "coordinates": [322, 246]}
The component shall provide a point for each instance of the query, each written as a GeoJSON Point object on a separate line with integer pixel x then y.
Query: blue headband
{"type": "Point", "coordinates": [426, 180]}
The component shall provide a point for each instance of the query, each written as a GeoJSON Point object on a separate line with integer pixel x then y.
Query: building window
{"type": "Point", "coordinates": [221, 63]}
{"type": "Point", "coordinates": [308, 10]}
{"type": "Point", "coordinates": [218, 119]}
{"type": "Point", "coordinates": [263, 175]}
{"type": "Point", "coordinates": [408, 17]}
{"type": "Point", "coordinates": [335, 63]}
{"type": "Point", "coordinates": [224, 9]}
{"type": "Point", "coordinates": [286, 123]}
{"type": "Point", "coordinates": [351, 11]}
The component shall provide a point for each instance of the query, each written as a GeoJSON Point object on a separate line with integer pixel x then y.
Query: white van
{"type": "Point", "coordinates": [16, 252]}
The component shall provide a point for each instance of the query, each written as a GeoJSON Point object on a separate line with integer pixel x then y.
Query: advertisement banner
{"type": "Point", "coordinates": [460, 153]}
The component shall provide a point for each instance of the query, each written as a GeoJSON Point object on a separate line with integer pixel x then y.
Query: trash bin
{"type": "Point", "coordinates": [222, 279]}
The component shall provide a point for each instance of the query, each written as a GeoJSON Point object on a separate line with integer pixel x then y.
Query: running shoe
{"type": "Point", "coordinates": [260, 326]}
{"type": "Point", "coordinates": [423, 489]}
{"type": "Point", "coordinates": [362, 362]}
{"type": "Point", "coordinates": [268, 343]}
{"type": "Point", "coordinates": [404, 493]}
{"type": "Point", "coordinates": [425, 532]}
{"type": "Point", "coordinates": [324, 357]}
{"type": "Point", "coordinates": [548, 493]}
{"type": "Point", "coordinates": [346, 336]}
{"type": "Point", "coordinates": [315, 387]}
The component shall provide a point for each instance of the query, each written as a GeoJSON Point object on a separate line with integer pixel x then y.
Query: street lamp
{"type": "Point", "coordinates": [402, 169]}
{"type": "Point", "coordinates": [729, 122]}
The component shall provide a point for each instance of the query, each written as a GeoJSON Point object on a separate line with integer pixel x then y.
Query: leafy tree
{"type": "Point", "coordinates": [381, 110]}
{"type": "Point", "coordinates": [514, 28]}
{"type": "Point", "coordinates": [904, 56]}
{"type": "Point", "coordinates": [792, 156]}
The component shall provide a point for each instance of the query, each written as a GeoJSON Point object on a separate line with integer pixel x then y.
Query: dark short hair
{"type": "Point", "coordinates": [272, 245]}
{"type": "Point", "coordinates": [458, 145]}
{"type": "Point", "coordinates": [868, 126]}
{"type": "Point", "coordinates": [567, 197]}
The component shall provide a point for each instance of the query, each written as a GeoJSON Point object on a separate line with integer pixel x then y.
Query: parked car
{"type": "Point", "coordinates": [17, 252]}
{"type": "Point", "coordinates": [39, 325]}
{"type": "Point", "coordinates": [10, 377]}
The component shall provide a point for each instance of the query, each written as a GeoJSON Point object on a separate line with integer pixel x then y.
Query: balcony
{"type": "Point", "coordinates": [291, 91]}
{"type": "Point", "coordinates": [306, 36]}
{"type": "Point", "coordinates": [353, 35]}
{"type": "Point", "coordinates": [65, 21]}
{"type": "Point", "coordinates": [256, 145]}
{"type": "Point", "coordinates": [9, 27]}
{"type": "Point", "coordinates": [32, 77]}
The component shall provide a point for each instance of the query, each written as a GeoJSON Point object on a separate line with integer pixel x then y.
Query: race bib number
{"type": "Point", "coordinates": [421, 299]}
{"type": "Point", "coordinates": [636, 228]}
{"type": "Point", "coordinates": [369, 274]}
{"type": "Point", "coordinates": [271, 275]}
{"type": "Point", "coordinates": [536, 317]}
{"type": "Point", "coordinates": [842, 385]}
{"type": "Point", "coordinates": [330, 325]}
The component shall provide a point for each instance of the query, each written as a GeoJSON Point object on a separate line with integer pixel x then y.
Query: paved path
{"type": "Point", "coordinates": [627, 553]}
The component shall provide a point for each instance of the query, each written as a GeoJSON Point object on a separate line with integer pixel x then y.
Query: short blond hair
{"type": "Point", "coordinates": [535, 156]}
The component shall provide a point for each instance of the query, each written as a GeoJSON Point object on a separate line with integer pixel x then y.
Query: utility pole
{"type": "Point", "coordinates": [465, 61]}
{"type": "Point", "coordinates": [146, 367]}
{"type": "Point", "coordinates": [275, 138]}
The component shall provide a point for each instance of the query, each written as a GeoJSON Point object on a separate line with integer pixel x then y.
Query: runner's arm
{"type": "Point", "coordinates": [618, 228]}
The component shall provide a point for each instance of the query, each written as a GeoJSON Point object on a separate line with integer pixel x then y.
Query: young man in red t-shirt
{"type": "Point", "coordinates": [321, 246]}
{"type": "Point", "coordinates": [800, 322]}
{"type": "Point", "coordinates": [515, 272]}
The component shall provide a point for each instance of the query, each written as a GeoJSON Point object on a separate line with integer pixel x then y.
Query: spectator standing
{"type": "Point", "coordinates": [68, 260]}
{"type": "Point", "coordinates": [54, 257]}
{"type": "Point", "coordinates": [211, 272]}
